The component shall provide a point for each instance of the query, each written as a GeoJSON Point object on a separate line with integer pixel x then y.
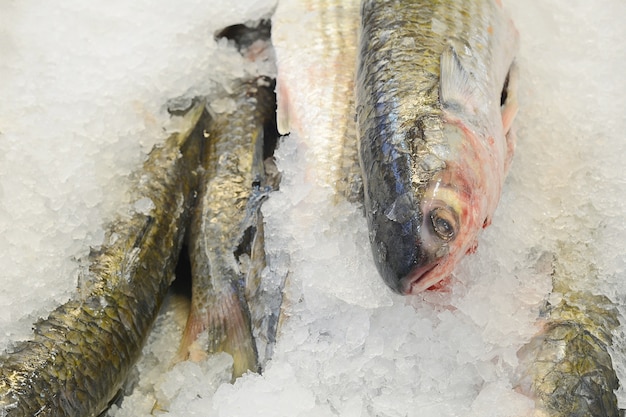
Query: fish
{"type": "Point", "coordinates": [80, 355]}
{"type": "Point", "coordinates": [315, 89]}
{"type": "Point", "coordinates": [436, 97]}
{"type": "Point", "coordinates": [566, 367]}
{"type": "Point", "coordinates": [224, 224]}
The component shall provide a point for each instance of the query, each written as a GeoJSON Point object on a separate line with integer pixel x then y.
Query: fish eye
{"type": "Point", "coordinates": [444, 223]}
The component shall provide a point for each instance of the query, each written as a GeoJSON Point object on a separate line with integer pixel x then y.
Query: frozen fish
{"type": "Point", "coordinates": [316, 44]}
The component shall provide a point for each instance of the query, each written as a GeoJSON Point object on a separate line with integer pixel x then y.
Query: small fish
{"type": "Point", "coordinates": [81, 354]}
{"type": "Point", "coordinates": [436, 98]}
{"type": "Point", "coordinates": [566, 367]}
{"type": "Point", "coordinates": [224, 224]}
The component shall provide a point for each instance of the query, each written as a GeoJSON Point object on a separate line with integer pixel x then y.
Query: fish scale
{"type": "Point", "coordinates": [566, 368]}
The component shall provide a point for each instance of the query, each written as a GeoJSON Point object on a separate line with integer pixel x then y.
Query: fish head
{"type": "Point", "coordinates": [444, 216]}
{"type": "Point", "coordinates": [447, 230]}
{"type": "Point", "coordinates": [455, 206]}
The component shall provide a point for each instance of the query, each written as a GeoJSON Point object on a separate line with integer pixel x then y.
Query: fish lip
{"type": "Point", "coordinates": [416, 276]}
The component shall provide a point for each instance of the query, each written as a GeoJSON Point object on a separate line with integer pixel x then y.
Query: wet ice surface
{"type": "Point", "coordinates": [347, 346]}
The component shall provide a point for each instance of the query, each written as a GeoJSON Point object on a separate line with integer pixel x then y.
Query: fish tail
{"type": "Point", "coordinates": [226, 322]}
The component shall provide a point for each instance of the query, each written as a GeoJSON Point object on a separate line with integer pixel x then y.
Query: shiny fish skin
{"type": "Point", "coordinates": [316, 46]}
{"type": "Point", "coordinates": [434, 140]}
{"type": "Point", "coordinates": [79, 357]}
{"type": "Point", "coordinates": [232, 187]}
{"type": "Point", "coordinates": [566, 367]}
{"type": "Point", "coordinates": [570, 371]}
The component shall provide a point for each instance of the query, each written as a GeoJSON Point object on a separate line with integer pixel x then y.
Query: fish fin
{"type": "Point", "coordinates": [456, 89]}
{"type": "Point", "coordinates": [282, 108]}
{"type": "Point", "coordinates": [193, 328]}
{"type": "Point", "coordinates": [227, 325]}
{"type": "Point", "coordinates": [509, 110]}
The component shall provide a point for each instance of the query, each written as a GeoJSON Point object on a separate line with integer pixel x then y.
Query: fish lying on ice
{"type": "Point", "coordinates": [566, 367]}
{"type": "Point", "coordinates": [315, 87]}
{"type": "Point", "coordinates": [80, 355]}
{"type": "Point", "coordinates": [436, 97]}
{"type": "Point", "coordinates": [222, 245]}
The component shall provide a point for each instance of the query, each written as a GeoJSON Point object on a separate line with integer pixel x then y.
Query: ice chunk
{"type": "Point", "coordinates": [144, 205]}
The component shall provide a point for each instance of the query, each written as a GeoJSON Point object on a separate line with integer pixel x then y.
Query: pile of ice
{"type": "Point", "coordinates": [87, 87]}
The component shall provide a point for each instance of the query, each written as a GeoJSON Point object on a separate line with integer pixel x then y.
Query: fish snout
{"type": "Point", "coordinates": [404, 263]}
{"type": "Point", "coordinates": [410, 251]}
{"type": "Point", "coordinates": [395, 242]}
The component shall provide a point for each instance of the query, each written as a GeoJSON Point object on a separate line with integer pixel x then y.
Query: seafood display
{"type": "Point", "coordinates": [327, 266]}
{"type": "Point", "coordinates": [436, 98]}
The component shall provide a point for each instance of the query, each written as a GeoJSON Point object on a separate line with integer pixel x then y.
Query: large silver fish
{"type": "Point", "coordinates": [435, 103]}
{"type": "Point", "coordinates": [80, 355]}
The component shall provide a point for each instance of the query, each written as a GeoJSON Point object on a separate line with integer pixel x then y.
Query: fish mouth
{"type": "Point", "coordinates": [417, 280]}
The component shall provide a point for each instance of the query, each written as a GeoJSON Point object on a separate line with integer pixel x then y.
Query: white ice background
{"type": "Point", "coordinates": [83, 92]}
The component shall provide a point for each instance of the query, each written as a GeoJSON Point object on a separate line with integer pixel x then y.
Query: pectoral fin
{"type": "Point", "coordinates": [456, 87]}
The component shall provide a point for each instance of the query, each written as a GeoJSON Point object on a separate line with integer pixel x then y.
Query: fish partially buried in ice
{"type": "Point", "coordinates": [81, 354]}
{"type": "Point", "coordinates": [436, 97]}
{"type": "Point", "coordinates": [315, 88]}
{"type": "Point", "coordinates": [566, 368]}
{"type": "Point", "coordinates": [223, 240]}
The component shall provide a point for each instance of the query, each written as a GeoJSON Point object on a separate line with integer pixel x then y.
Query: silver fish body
{"type": "Point", "coordinates": [315, 88]}
{"type": "Point", "coordinates": [81, 354]}
{"type": "Point", "coordinates": [435, 103]}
